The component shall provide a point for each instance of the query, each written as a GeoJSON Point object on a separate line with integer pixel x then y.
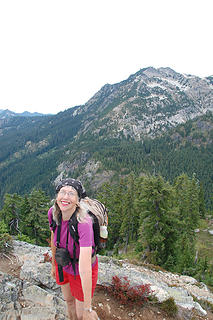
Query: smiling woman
{"type": "Point", "coordinates": [67, 201]}
{"type": "Point", "coordinates": [74, 263]}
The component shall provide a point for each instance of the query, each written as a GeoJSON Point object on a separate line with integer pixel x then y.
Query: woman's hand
{"type": "Point", "coordinates": [53, 271]}
{"type": "Point", "coordinates": [87, 315]}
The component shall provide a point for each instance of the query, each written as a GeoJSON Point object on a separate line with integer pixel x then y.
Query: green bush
{"type": "Point", "coordinates": [5, 242]}
{"type": "Point", "coordinates": [23, 237]}
{"type": "Point", "coordinates": [169, 306]}
{"type": "Point", "coordinates": [5, 238]}
{"type": "Point", "coordinates": [3, 227]}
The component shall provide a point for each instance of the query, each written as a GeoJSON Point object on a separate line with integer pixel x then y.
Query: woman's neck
{"type": "Point", "coordinates": [68, 214]}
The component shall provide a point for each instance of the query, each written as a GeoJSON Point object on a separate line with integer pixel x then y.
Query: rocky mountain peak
{"type": "Point", "coordinates": [147, 103]}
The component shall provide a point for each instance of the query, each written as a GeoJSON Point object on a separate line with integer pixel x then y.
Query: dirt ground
{"type": "Point", "coordinates": [106, 306]}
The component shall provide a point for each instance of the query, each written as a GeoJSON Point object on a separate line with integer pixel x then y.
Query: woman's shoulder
{"type": "Point", "coordinates": [85, 228]}
{"type": "Point", "coordinates": [50, 212]}
{"type": "Point", "coordinates": [87, 219]}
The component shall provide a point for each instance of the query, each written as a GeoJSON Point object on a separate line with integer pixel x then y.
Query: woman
{"type": "Point", "coordinates": [77, 285]}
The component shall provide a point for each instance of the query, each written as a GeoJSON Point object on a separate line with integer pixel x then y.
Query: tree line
{"type": "Point", "coordinates": [158, 219]}
{"type": "Point", "coordinates": [187, 148]}
{"type": "Point", "coordinates": [147, 213]}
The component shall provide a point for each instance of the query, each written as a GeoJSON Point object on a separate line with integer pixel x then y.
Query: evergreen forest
{"type": "Point", "coordinates": [29, 160]}
{"type": "Point", "coordinates": [151, 221]}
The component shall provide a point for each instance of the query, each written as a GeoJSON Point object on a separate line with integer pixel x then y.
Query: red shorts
{"type": "Point", "coordinates": [75, 282]}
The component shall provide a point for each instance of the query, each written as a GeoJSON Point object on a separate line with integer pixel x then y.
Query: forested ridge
{"type": "Point", "coordinates": [186, 149]}
{"type": "Point", "coordinates": [138, 125]}
{"type": "Point", "coordinates": [30, 155]}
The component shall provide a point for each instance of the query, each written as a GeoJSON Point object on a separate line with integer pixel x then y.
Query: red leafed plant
{"type": "Point", "coordinates": [47, 257]}
{"type": "Point", "coordinates": [49, 242]}
{"type": "Point", "coordinates": [125, 293]}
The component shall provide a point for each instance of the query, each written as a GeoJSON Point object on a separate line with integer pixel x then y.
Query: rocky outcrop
{"type": "Point", "coordinates": [36, 296]}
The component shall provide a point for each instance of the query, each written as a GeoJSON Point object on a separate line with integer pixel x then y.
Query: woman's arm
{"type": "Point", "coordinates": [53, 249]}
{"type": "Point", "coordinates": [85, 271]}
{"type": "Point", "coordinates": [85, 267]}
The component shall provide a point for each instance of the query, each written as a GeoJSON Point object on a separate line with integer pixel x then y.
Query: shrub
{"type": "Point", "coordinates": [125, 293]}
{"type": "Point", "coordinates": [5, 242]}
{"type": "Point", "coordinates": [169, 306]}
{"type": "Point", "coordinates": [5, 239]}
{"type": "Point", "coordinates": [47, 257]}
{"type": "Point", "coordinates": [25, 238]}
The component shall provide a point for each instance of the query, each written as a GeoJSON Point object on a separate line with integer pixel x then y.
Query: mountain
{"type": "Point", "coordinates": [4, 114]}
{"type": "Point", "coordinates": [147, 103]}
{"type": "Point", "coordinates": [156, 121]}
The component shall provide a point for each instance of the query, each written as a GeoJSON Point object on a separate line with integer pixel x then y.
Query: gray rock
{"type": "Point", "coordinates": [36, 296]}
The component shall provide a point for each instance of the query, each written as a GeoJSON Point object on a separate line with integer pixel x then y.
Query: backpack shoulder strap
{"type": "Point", "coordinates": [73, 227]}
{"type": "Point", "coordinates": [58, 232]}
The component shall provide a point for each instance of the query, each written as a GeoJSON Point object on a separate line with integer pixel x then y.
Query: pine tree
{"type": "Point", "coordinates": [187, 200]}
{"type": "Point", "coordinates": [202, 209]}
{"type": "Point", "coordinates": [112, 197]}
{"type": "Point", "coordinates": [128, 229]}
{"type": "Point", "coordinates": [10, 212]}
{"type": "Point", "coordinates": [158, 220]}
{"type": "Point", "coordinates": [185, 254]}
{"type": "Point", "coordinates": [36, 221]}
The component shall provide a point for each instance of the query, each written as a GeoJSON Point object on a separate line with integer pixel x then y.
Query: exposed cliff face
{"type": "Point", "coordinates": [147, 103]}
{"type": "Point", "coordinates": [34, 295]}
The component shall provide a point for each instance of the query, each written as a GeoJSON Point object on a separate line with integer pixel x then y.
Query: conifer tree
{"type": "Point", "coordinates": [185, 254]}
{"type": "Point", "coordinates": [128, 229]}
{"type": "Point", "coordinates": [36, 220]}
{"type": "Point", "coordinates": [158, 220]}
{"type": "Point", "coordinates": [25, 211]}
{"type": "Point", "coordinates": [112, 197]}
{"type": "Point", "coordinates": [10, 212]}
{"type": "Point", "coordinates": [202, 209]}
{"type": "Point", "coordinates": [187, 200]}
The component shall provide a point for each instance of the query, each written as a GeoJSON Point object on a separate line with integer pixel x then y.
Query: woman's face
{"type": "Point", "coordinates": [67, 199]}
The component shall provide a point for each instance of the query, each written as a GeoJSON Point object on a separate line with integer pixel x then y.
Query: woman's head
{"type": "Point", "coordinates": [67, 199]}
{"type": "Point", "coordinates": [69, 193]}
{"type": "Point", "coordinates": [75, 184]}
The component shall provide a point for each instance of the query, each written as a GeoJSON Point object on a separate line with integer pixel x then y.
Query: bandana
{"type": "Point", "coordinates": [76, 184]}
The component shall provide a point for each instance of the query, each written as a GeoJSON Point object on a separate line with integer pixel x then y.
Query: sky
{"type": "Point", "coordinates": [56, 54]}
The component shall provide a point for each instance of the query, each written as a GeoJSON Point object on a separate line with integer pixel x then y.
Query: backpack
{"type": "Point", "coordinates": [99, 213]}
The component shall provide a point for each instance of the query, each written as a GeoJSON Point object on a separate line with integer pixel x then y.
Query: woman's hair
{"type": "Point", "coordinates": [81, 212]}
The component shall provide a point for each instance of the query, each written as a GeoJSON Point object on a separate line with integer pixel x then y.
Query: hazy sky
{"type": "Point", "coordinates": [58, 54]}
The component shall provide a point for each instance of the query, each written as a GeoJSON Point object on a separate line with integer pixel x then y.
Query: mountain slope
{"type": "Point", "coordinates": [147, 103]}
{"type": "Point", "coordinates": [122, 128]}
